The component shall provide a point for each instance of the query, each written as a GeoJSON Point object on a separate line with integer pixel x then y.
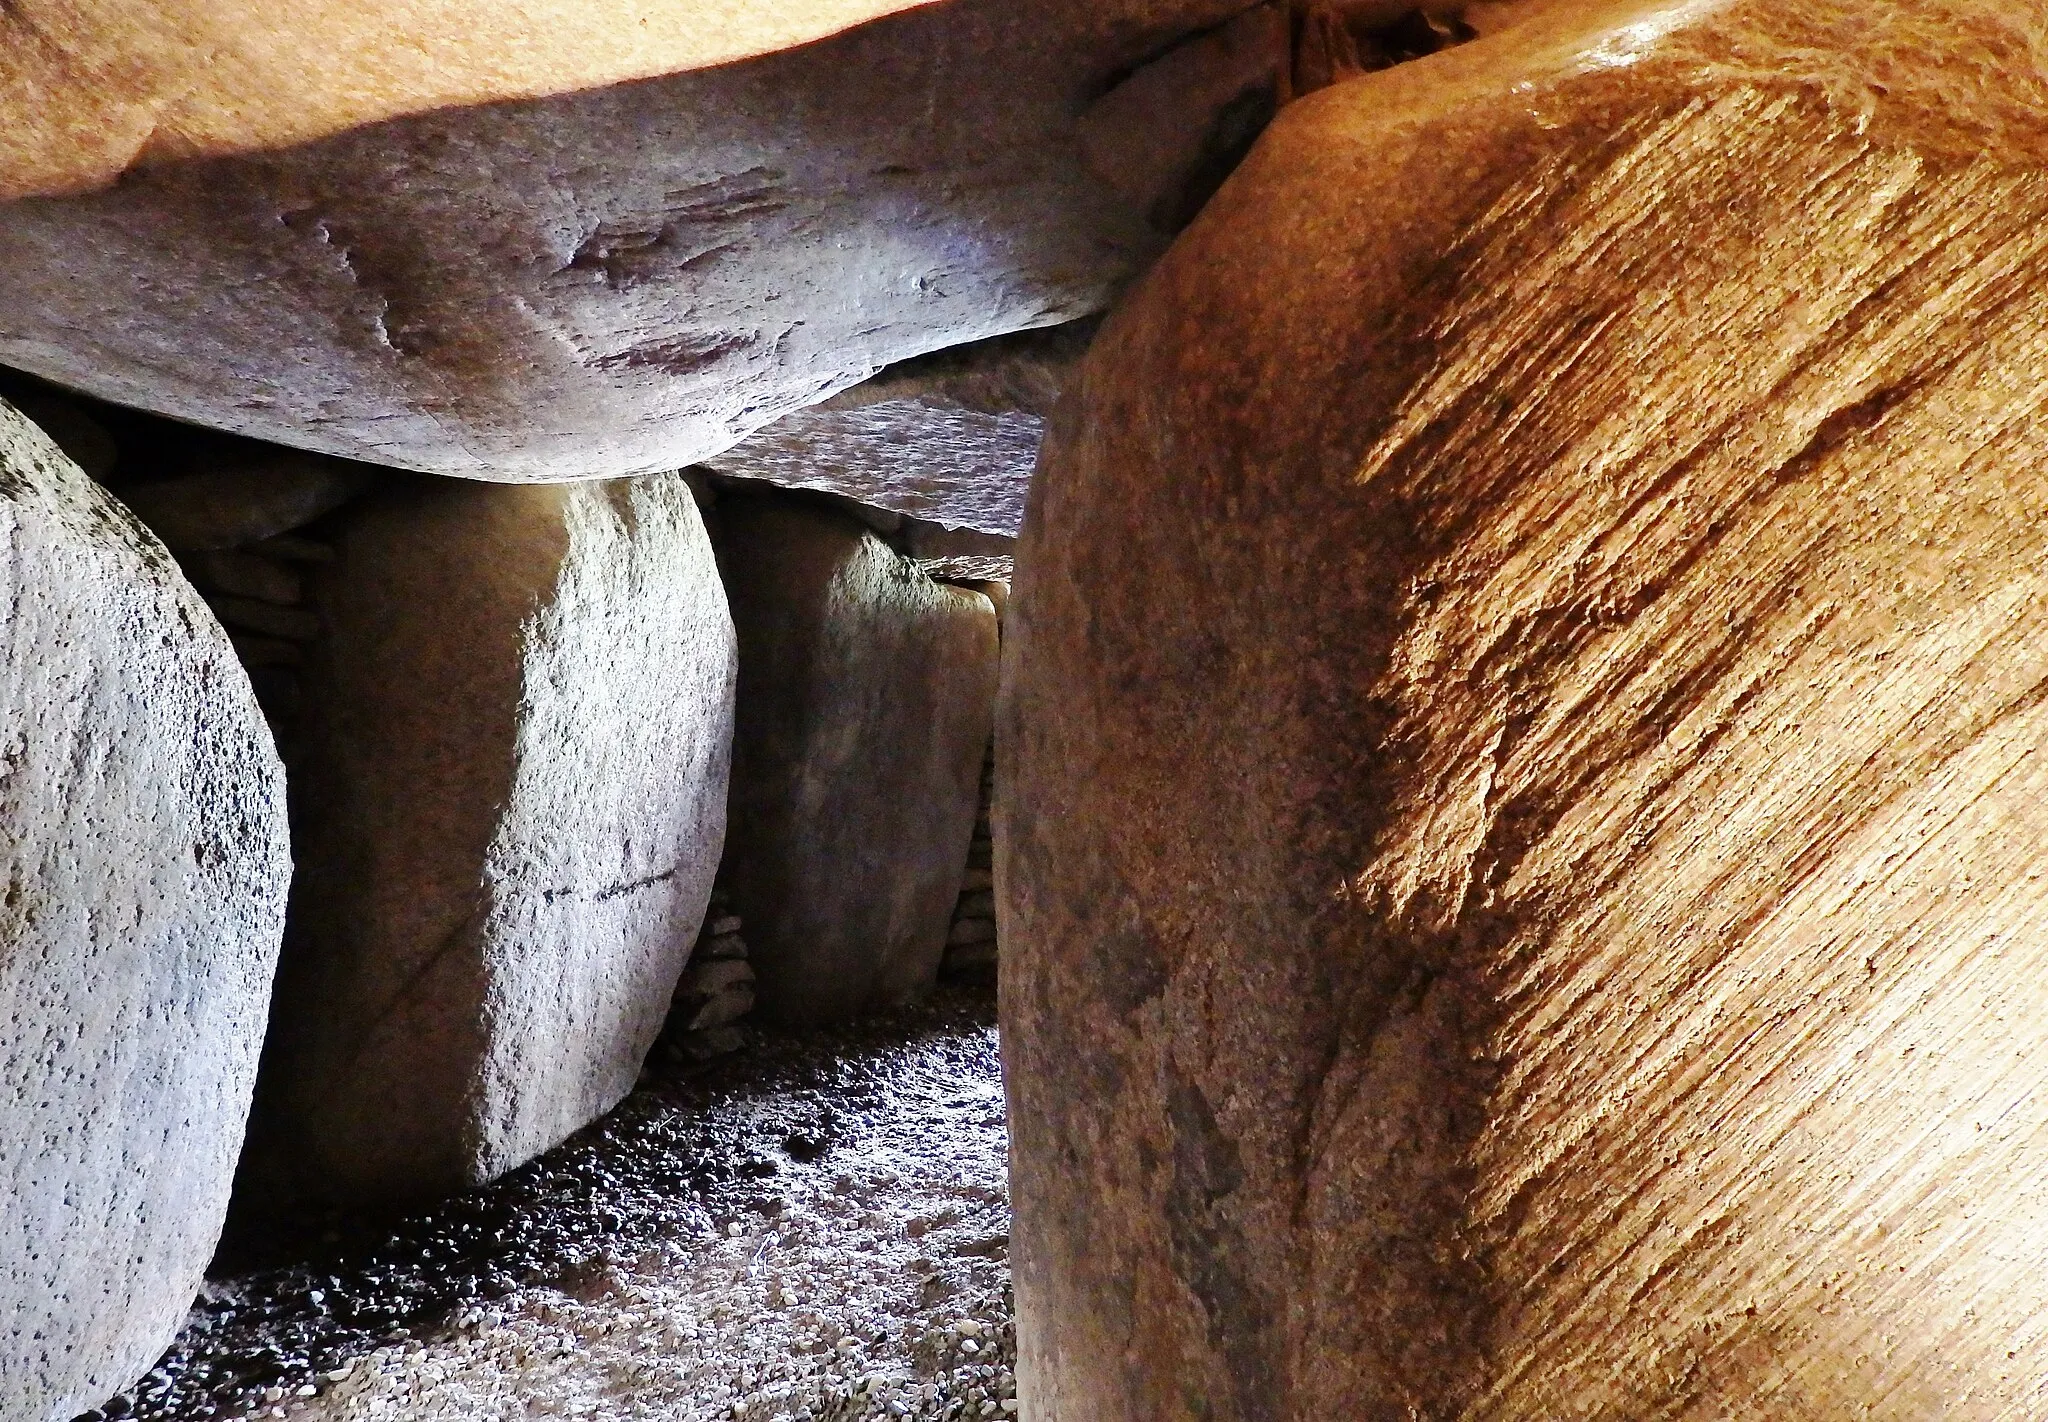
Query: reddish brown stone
{"type": "Point", "coordinates": [1524, 846]}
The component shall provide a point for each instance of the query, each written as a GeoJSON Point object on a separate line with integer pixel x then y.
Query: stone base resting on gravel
{"type": "Point", "coordinates": [510, 804]}
{"type": "Point", "coordinates": [145, 863]}
{"type": "Point", "coordinates": [866, 696]}
{"type": "Point", "coordinates": [1525, 830]}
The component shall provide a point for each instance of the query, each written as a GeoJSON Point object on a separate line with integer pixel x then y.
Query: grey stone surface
{"type": "Point", "coordinates": [921, 456]}
{"type": "Point", "coordinates": [721, 1009]}
{"type": "Point", "coordinates": [715, 976]}
{"type": "Point", "coordinates": [510, 805]}
{"type": "Point", "coordinates": [866, 698]}
{"type": "Point", "coordinates": [246, 575]}
{"type": "Point", "coordinates": [1167, 136]}
{"type": "Point", "coordinates": [948, 439]}
{"type": "Point", "coordinates": [616, 281]}
{"type": "Point", "coordinates": [143, 844]}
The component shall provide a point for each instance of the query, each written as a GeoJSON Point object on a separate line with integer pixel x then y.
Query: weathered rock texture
{"type": "Point", "coordinates": [613, 281]}
{"type": "Point", "coordinates": [142, 837]}
{"type": "Point", "coordinates": [866, 696]}
{"type": "Point", "coordinates": [510, 803]}
{"type": "Point", "coordinates": [949, 439]}
{"type": "Point", "coordinates": [1203, 104]}
{"type": "Point", "coordinates": [1524, 841]}
{"type": "Point", "coordinates": [971, 948]}
{"type": "Point", "coordinates": [83, 440]}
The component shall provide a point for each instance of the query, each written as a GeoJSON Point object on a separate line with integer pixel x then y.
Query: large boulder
{"type": "Point", "coordinates": [510, 803]}
{"type": "Point", "coordinates": [1524, 835]}
{"type": "Point", "coordinates": [143, 844]}
{"type": "Point", "coordinates": [867, 692]}
{"type": "Point", "coordinates": [585, 276]}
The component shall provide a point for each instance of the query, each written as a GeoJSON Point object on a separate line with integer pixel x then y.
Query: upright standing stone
{"type": "Point", "coordinates": [143, 850]}
{"type": "Point", "coordinates": [1524, 848]}
{"type": "Point", "coordinates": [866, 695]}
{"type": "Point", "coordinates": [510, 803]}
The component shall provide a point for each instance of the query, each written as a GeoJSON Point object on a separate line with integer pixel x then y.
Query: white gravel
{"type": "Point", "coordinates": [870, 1282]}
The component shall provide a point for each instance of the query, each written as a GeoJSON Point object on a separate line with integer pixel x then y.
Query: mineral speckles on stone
{"type": "Point", "coordinates": [775, 1235]}
{"type": "Point", "coordinates": [144, 858]}
{"type": "Point", "coordinates": [231, 511]}
{"type": "Point", "coordinates": [509, 808]}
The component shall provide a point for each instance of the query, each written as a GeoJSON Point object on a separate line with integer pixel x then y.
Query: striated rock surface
{"type": "Point", "coordinates": [143, 844]}
{"type": "Point", "coordinates": [1521, 850]}
{"type": "Point", "coordinates": [510, 803]}
{"type": "Point", "coordinates": [866, 695]}
{"type": "Point", "coordinates": [614, 278]}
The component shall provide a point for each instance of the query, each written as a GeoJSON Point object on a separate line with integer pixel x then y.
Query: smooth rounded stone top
{"type": "Point", "coordinates": [867, 693]}
{"type": "Point", "coordinates": [1524, 843]}
{"type": "Point", "coordinates": [613, 279]}
{"type": "Point", "coordinates": [101, 85]}
{"type": "Point", "coordinates": [84, 440]}
{"type": "Point", "coordinates": [143, 847]}
{"type": "Point", "coordinates": [510, 803]}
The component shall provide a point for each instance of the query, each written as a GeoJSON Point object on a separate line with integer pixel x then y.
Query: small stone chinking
{"type": "Point", "coordinates": [715, 993]}
{"type": "Point", "coordinates": [971, 940]}
{"type": "Point", "coordinates": [235, 514]}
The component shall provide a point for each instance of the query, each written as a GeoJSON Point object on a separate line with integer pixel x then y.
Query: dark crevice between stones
{"type": "Point", "coordinates": [1337, 42]}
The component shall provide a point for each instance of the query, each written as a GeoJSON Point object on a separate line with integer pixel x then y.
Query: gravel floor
{"type": "Point", "coordinates": [814, 1230]}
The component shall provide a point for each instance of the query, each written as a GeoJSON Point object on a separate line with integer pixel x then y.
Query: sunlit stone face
{"type": "Point", "coordinates": [88, 89]}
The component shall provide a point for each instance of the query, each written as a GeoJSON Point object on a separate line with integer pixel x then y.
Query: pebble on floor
{"type": "Point", "coordinates": [816, 1230]}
